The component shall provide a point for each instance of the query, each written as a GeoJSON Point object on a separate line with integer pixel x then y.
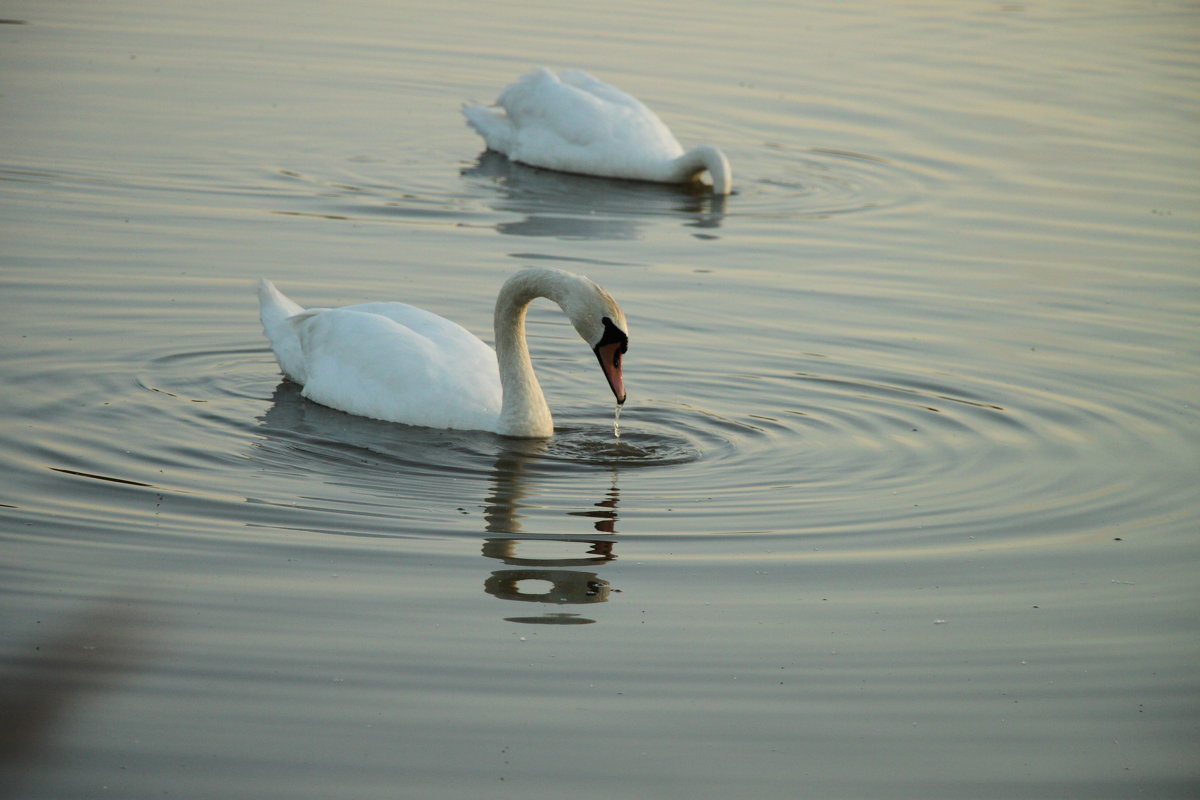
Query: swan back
{"type": "Point", "coordinates": [396, 362]}
{"type": "Point", "coordinates": [389, 361]}
{"type": "Point", "coordinates": [576, 110]}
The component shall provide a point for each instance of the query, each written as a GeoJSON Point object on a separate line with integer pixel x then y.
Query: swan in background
{"type": "Point", "coordinates": [395, 362]}
{"type": "Point", "coordinates": [573, 122]}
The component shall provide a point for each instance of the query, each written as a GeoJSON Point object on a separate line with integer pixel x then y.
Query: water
{"type": "Point", "coordinates": [903, 503]}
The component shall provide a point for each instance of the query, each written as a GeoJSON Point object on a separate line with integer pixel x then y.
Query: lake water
{"type": "Point", "coordinates": [905, 503]}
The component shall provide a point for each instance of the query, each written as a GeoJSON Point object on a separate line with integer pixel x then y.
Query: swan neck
{"type": "Point", "coordinates": [706, 158]}
{"type": "Point", "coordinates": [524, 411]}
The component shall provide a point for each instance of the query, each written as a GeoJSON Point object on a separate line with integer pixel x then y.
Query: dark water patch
{"type": "Point", "coordinates": [109, 478]}
{"type": "Point", "coordinates": [553, 619]}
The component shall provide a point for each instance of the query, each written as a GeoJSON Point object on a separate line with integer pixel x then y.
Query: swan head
{"type": "Point", "coordinates": [600, 322]}
{"type": "Point", "coordinates": [596, 317]}
{"type": "Point", "coordinates": [609, 350]}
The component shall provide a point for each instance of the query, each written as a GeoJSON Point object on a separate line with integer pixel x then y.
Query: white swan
{"type": "Point", "coordinates": [398, 363]}
{"type": "Point", "coordinates": [573, 122]}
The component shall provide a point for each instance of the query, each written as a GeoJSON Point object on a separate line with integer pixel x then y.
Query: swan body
{"type": "Point", "coordinates": [573, 122]}
{"type": "Point", "coordinates": [395, 362]}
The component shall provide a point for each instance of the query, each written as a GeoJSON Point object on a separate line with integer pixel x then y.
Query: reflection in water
{"type": "Point", "coordinates": [606, 510]}
{"type": "Point", "coordinates": [567, 585]}
{"type": "Point", "coordinates": [570, 228]}
{"type": "Point", "coordinates": [566, 206]}
{"type": "Point", "coordinates": [505, 550]}
{"type": "Point", "coordinates": [396, 459]}
{"type": "Point", "coordinates": [502, 512]}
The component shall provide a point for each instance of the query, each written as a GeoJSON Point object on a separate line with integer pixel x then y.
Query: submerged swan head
{"type": "Point", "coordinates": [707, 158]}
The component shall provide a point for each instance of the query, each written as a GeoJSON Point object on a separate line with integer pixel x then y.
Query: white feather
{"type": "Point", "coordinates": [573, 122]}
{"type": "Point", "coordinates": [396, 362]}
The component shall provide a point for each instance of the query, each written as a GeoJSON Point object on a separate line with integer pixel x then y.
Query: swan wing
{"type": "Point", "coordinates": [399, 363]}
{"type": "Point", "coordinates": [578, 123]}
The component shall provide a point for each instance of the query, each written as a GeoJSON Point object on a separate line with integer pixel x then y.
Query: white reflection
{"type": "Point", "coordinates": [566, 206]}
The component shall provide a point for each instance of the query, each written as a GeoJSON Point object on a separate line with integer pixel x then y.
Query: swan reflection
{"type": "Point", "coordinates": [567, 585]}
{"type": "Point", "coordinates": [566, 206]}
{"type": "Point", "coordinates": [539, 583]}
{"type": "Point", "coordinates": [546, 567]}
{"type": "Point", "coordinates": [503, 512]}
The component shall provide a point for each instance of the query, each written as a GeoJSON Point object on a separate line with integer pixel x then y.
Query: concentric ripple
{"type": "Point", "coordinates": [845, 458]}
{"type": "Point", "coordinates": [778, 182]}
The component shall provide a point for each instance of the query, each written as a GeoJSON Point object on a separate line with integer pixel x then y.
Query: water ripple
{"type": "Point", "coordinates": [850, 451]}
{"type": "Point", "coordinates": [840, 457]}
{"type": "Point", "coordinates": [781, 181]}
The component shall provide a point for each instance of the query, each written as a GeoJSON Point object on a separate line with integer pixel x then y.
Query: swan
{"type": "Point", "coordinates": [573, 122]}
{"type": "Point", "coordinates": [399, 363]}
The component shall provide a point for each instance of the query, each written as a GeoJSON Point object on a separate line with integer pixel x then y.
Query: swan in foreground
{"type": "Point", "coordinates": [395, 362]}
{"type": "Point", "coordinates": [573, 122]}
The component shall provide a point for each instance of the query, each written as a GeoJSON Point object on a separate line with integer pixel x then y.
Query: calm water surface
{"type": "Point", "coordinates": [904, 504]}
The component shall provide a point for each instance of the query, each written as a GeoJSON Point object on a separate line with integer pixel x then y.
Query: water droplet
{"type": "Point", "coordinates": [617, 422]}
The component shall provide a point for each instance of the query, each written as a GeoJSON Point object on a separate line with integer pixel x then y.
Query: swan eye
{"type": "Point", "coordinates": [613, 335]}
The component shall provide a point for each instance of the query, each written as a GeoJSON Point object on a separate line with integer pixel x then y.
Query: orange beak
{"type": "Point", "coordinates": [610, 362]}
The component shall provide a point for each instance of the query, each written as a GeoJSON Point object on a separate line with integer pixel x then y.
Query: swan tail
{"type": "Point", "coordinates": [276, 311]}
{"type": "Point", "coordinates": [492, 124]}
{"type": "Point", "coordinates": [274, 305]}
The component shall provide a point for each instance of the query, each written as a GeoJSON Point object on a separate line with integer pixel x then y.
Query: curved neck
{"type": "Point", "coordinates": [706, 158]}
{"type": "Point", "coordinates": [523, 410]}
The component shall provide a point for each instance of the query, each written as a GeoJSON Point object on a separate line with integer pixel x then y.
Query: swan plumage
{"type": "Point", "coordinates": [573, 122]}
{"type": "Point", "coordinates": [400, 363]}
